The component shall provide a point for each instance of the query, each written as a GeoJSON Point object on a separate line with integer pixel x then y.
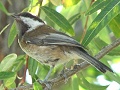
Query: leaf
{"type": "Point", "coordinates": [58, 19]}
{"type": "Point", "coordinates": [37, 86]}
{"type": "Point", "coordinates": [74, 18]}
{"type": "Point", "coordinates": [84, 83]}
{"type": "Point", "coordinates": [10, 82]}
{"type": "Point", "coordinates": [105, 16]}
{"type": "Point", "coordinates": [6, 75]}
{"type": "Point", "coordinates": [4, 29]}
{"type": "Point", "coordinates": [115, 25]}
{"type": "Point", "coordinates": [97, 6]}
{"type": "Point", "coordinates": [56, 2]}
{"type": "Point", "coordinates": [42, 71]}
{"type": "Point", "coordinates": [12, 34]}
{"type": "Point", "coordinates": [68, 3]}
{"type": "Point", "coordinates": [32, 66]}
{"type": "Point", "coordinates": [75, 83]}
{"type": "Point", "coordinates": [4, 9]}
{"type": "Point", "coordinates": [113, 76]}
{"type": "Point", "coordinates": [34, 7]}
{"type": "Point", "coordinates": [8, 62]}
{"type": "Point", "coordinates": [115, 52]}
{"type": "Point", "coordinates": [100, 43]}
{"type": "Point", "coordinates": [19, 63]}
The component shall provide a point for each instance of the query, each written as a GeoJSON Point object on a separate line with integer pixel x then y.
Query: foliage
{"type": "Point", "coordinates": [95, 33]}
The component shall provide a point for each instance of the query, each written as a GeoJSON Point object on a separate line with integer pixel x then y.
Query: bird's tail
{"type": "Point", "coordinates": [97, 64]}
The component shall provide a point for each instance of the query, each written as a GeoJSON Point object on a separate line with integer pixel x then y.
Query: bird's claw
{"type": "Point", "coordinates": [48, 84]}
{"type": "Point", "coordinates": [63, 74]}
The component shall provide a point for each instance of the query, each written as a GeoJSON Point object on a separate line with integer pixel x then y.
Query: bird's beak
{"type": "Point", "coordinates": [16, 17]}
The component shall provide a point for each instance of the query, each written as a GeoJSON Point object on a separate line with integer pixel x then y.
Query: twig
{"type": "Point", "coordinates": [40, 2]}
{"type": "Point", "coordinates": [85, 27]}
{"type": "Point", "coordinates": [26, 67]}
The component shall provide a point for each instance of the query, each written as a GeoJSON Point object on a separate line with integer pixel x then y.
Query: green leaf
{"type": "Point", "coordinates": [105, 16]}
{"type": "Point", "coordinates": [32, 66]}
{"type": "Point", "coordinates": [82, 81]}
{"type": "Point", "coordinates": [8, 62]}
{"type": "Point", "coordinates": [115, 52]}
{"type": "Point", "coordinates": [113, 76]}
{"type": "Point", "coordinates": [12, 34]}
{"type": "Point", "coordinates": [10, 82]}
{"type": "Point", "coordinates": [6, 75]}
{"type": "Point", "coordinates": [68, 3]}
{"type": "Point", "coordinates": [75, 85]}
{"type": "Point", "coordinates": [18, 64]}
{"type": "Point", "coordinates": [88, 86]}
{"type": "Point", "coordinates": [56, 2]}
{"type": "Point", "coordinates": [42, 71]}
{"type": "Point", "coordinates": [97, 6]}
{"type": "Point", "coordinates": [37, 86]}
{"type": "Point", "coordinates": [4, 29]}
{"type": "Point", "coordinates": [58, 19]}
{"type": "Point", "coordinates": [100, 43]}
{"type": "Point", "coordinates": [115, 26]}
{"type": "Point", "coordinates": [4, 9]}
{"type": "Point", "coordinates": [74, 18]}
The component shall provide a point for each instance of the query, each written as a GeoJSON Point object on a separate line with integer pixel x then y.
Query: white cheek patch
{"type": "Point", "coordinates": [31, 23]}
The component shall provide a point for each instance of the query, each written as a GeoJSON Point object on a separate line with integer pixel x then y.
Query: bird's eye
{"type": "Point", "coordinates": [27, 42]}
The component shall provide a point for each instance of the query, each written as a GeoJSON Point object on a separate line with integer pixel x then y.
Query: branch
{"type": "Point", "coordinates": [84, 64]}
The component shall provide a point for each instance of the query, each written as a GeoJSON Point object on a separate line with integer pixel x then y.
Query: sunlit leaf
{"type": "Point", "coordinates": [8, 62]}
{"type": "Point", "coordinates": [34, 7]}
{"type": "Point", "coordinates": [58, 19]}
{"type": "Point", "coordinates": [105, 16]}
{"type": "Point", "coordinates": [67, 3]}
{"type": "Point", "coordinates": [97, 6]}
{"type": "Point", "coordinates": [56, 2]}
{"type": "Point", "coordinates": [12, 34]}
{"type": "Point", "coordinates": [115, 26]}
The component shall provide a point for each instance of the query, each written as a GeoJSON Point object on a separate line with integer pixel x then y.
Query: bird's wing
{"type": "Point", "coordinates": [50, 37]}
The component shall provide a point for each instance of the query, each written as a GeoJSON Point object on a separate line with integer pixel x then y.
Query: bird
{"type": "Point", "coordinates": [50, 46]}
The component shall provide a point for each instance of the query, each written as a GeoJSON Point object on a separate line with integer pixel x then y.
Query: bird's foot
{"type": "Point", "coordinates": [63, 74]}
{"type": "Point", "coordinates": [77, 66]}
{"type": "Point", "coordinates": [46, 84]}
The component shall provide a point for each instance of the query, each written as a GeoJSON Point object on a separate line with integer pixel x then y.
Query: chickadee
{"type": "Point", "coordinates": [48, 46]}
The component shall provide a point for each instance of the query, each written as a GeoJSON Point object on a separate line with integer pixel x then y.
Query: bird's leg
{"type": "Point", "coordinates": [48, 75]}
{"type": "Point", "coordinates": [45, 81]}
{"type": "Point", "coordinates": [62, 73]}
